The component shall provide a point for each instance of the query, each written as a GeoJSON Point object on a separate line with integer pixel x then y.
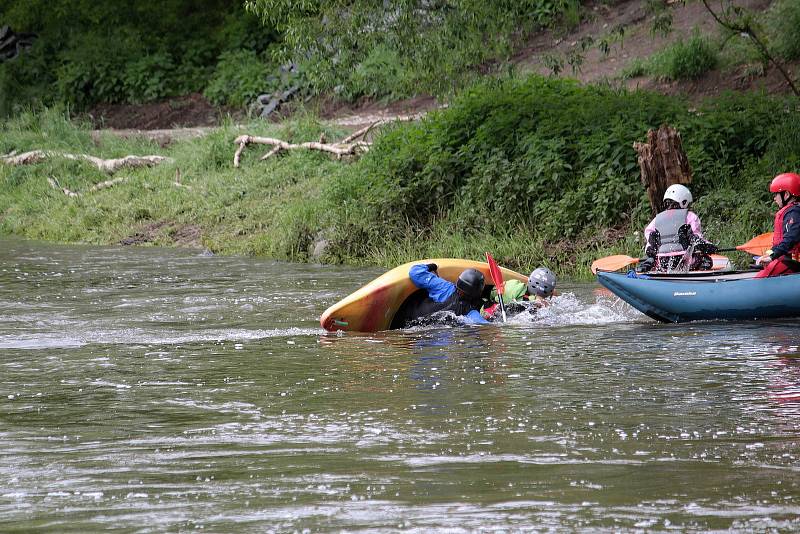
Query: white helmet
{"type": "Point", "coordinates": [679, 194]}
{"type": "Point", "coordinates": [542, 282]}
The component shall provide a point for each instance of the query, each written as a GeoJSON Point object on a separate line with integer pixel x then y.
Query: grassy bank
{"type": "Point", "coordinates": [533, 170]}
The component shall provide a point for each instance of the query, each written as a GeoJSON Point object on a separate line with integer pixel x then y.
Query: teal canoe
{"type": "Point", "coordinates": [677, 298]}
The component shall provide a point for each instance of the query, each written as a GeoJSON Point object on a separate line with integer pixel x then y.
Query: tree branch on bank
{"type": "Point", "coordinates": [743, 25]}
{"type": "Point", "coordinates": [96, 187]}
{"type": "Point", "coordinates": [109, 166]}
{"type": "Point", "coordinates": [339, 149]}
{"type": "Point", "coordinates": [346, 147]}
{"type": "Point", "coordinates": [366, 129]}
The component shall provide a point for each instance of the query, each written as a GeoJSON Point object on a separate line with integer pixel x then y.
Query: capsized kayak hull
{"type": "Point", "coordinates": [373, 307]}
{"type": "Point", "coordinates": [693, 298]}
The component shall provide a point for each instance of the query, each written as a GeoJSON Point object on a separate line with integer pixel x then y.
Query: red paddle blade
{"type": "Point", "coordinates": [497, 275]}
{"type": "Point", "coordinates": [758, 245]}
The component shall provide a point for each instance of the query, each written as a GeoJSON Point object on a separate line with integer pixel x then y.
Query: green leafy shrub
{"type": "Point", "coordinates": [547, 155]}
{"type": "Point", "coordinates": [194, 64]}
{"type": "Point", "coordinates": [380, 75]}
{"type": "Point", "coordinates": [783, 21]}
{"type": "Point", "coordinates": [148, 77]}
{"type": "Point", "coordinates": [240, 76]}
{"type": "Point", "coordinates": [89, 52]}
{"type": "Point", "coordinates": [685, 60]}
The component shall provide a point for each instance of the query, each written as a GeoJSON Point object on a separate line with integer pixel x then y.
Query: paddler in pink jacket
{"type": "Point", "coordinates": [673, 232]}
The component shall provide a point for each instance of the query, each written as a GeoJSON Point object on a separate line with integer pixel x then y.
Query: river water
{"type": "Point", "coordinates": [153, 390]}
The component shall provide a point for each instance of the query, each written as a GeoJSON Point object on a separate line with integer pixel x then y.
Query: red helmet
{"type": "Point", "coordinates": [787, 181]}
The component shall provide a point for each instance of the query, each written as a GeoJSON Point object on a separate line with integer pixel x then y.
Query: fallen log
{"type": "Point", "coordinates": [339, 149]}
{"type": "Point", "coordinates": [109, 166]}
{"type": "Point", "coordinates": [55, 185]}
{"type": "Point", "coordinates": [366, 129]}
{"type": "Point", "coordinates": [346, 147]}
{"type": "Point", "coordinates": [96, 187]}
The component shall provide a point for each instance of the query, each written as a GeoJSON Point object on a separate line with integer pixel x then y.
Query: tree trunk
{"type": "Point", "coordinates": [662, 163]}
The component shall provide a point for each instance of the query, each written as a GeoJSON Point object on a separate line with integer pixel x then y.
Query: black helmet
{"type": "Point", "coordinates": [470, 282]}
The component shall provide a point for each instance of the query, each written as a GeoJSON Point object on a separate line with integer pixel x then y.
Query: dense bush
{"type": "Point", "coordinates": [539, 151]}
{"type": "Point", "coordinates": [240, 76]}
{"type": "Point", "coordinates": [120, 51]}
{"type": "Point", "coordinates": [434, 45]}
{"type": "Point", "coordinates": [382, 74]}
{"type": "Point", "coordinates": [685, 60]}
{"type": "Point", "coordinates": [556, 158]}
{"type": "Point", "coordinates": [784, 22]}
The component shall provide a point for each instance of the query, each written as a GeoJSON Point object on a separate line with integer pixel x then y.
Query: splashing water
{"type": "Point", "coordinates": [567, 309]}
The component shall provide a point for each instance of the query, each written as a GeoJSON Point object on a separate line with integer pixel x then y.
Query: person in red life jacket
{"type": "Point", "coordinates": [675, 238]}
{"type": "Point", "coordinates": [464, 298]}
{"type": "Point", "coordinates": [785, 189]}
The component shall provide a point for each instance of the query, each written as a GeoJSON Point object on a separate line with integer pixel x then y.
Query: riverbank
{"type": "Point", "coordinates": [535, 170]}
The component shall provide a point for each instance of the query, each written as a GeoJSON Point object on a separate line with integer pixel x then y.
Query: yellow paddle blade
{"type": "Point", "coordinates": [613, 263]}
{"type": "Point", "coordinates": [758, 245]}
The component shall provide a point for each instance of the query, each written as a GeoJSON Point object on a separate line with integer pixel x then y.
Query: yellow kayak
{"type": "Point", "coordinates": [373, 307]}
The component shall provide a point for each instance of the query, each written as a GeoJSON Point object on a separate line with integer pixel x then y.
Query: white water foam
{"type": "Point", "coordinates": [139, 337]}
{"type": "Point", "coordinates": [566, 309]}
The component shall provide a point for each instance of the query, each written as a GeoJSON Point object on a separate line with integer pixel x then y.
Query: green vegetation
{"type": "Point", "coordinates": [120, 51]}
{"type": "Point", "coordinates": [397, 49]}
{"type": "Point", "coordinates": [239, 78]}
{"type": "Point", "coordinates": [783, 21]}
{"type": "Point", "coordinates": [683, 60]}
{"type": "Point", "coordinates": [535, 170]}
{"type": "Point", "coordinates": [116, 51]}
{"type": "Point", "coordinates": [730, 50]}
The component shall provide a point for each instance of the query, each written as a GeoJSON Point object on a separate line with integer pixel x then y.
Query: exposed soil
{"type": "Point", "coordinates": [367, 112]}
{"type": "Point", "coordinates": [186, 111]}
{"type": "Point", "coordinates": [638, 42]}
{"type": "Point", "coordinates": [181, 235]}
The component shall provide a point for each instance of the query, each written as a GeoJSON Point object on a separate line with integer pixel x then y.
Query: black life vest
{"type": "Point", "coordinates": [420, 305]}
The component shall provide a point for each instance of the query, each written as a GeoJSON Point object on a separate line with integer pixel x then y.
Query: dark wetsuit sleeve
{"type": "Point", "coordinates": [438, 289]}
{"type": "Point", "coordinates": [791, 233]}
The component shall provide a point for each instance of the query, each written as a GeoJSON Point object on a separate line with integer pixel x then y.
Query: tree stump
{"type": "Point", "coordinates": [662, 162]}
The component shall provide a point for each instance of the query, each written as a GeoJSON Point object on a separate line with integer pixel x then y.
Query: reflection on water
{"type": "Point", "coordinates": [154, 390]}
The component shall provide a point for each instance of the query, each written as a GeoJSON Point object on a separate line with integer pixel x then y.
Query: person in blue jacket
{"type": "Point", "coordinates": [464, 298]}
